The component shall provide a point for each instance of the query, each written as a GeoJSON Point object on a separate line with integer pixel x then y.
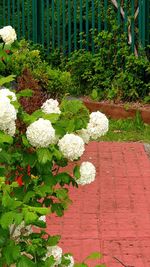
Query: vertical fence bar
{"type": "Point", "coordinates": [13, 13]}
{"type": "Point", "coordinates": [53, 26]}
{"type": "Point", "coordinates": [18, 18]}
{"type": "Point", "coordinates": [118, 13]}
{"type": "Point", "coordinates": [147, 22]}
{"type": "Point", "coordinates": [64, 25]}
{"type": "Point", "coordinates": [139, 23]}
{"type": "Point", "coordinates": [132, 25]}
{"type": "Point", "coordinates": [8, 5]}
{"type": "Point", "coordinates": [28, 18]}
{"type": "Point", "coordinates": [23, 19]}
{"type": "Point", "coordinates": [69, 26]}
{"type": "Point", "coordinates": [93, 25]}
{"type": "Point", "coordinates": [75, 24]}
{"type": "Point", "coordinates": [87, 25]}
{"type": "Point", "coordinates": [119, 21]}
{"type": "Point", "coordinates": [125, 17]}
{"type": "Point", "coordinates": [42, 21]}
{"type": "Point", "coordinates": [58, 24]}
{"type": "Point", "coordinates": [47, 26]}
{"type": "Point", "coordinates": [81, 26]}
{"type": "Point", "coordinates": [34, 20]}
{"type": "Point", "coordinates": [105, 15]}
{"type": "Point", "coordinates": [99, 16]}
{"type": "Point", "coordinates": [4, 9]}
{"type": "Point", "coordinates": [144, 20]}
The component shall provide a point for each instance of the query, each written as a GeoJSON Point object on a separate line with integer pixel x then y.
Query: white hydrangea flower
{"type": "Point", "coordinates": [71, 146]}
{"type": "Point", "coordinates": [56, 252]}
{"type": "Point", "coordinates": [41, 133]}
{"type": "Point", "coordinates": [51, 106]}
{"type": "Point", "coordinates": [87, 173]}
{"type": "Point", "coordinates": [11, 128]}
{"type": "Point", "coordinates": [8, 34]}
{"type": "Point", "coordinates": [8, 115]}
{"type": "Point", "coordinates": [83, 133]}
{"type": "Point", "coordinates": [98, 125]}
{"type": "Point", "coordinates": [4, 92]}
{"type": "Point", "coordinates": [69, 257]}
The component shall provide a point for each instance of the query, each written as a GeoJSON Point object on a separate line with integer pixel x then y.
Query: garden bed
{"type": "Point", "coordinates": [119, 110]}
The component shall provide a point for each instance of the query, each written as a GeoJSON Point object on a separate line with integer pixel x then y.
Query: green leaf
{"type": "Point", "coordinates": [71, 126]}
{"type": "Point", "coordinates": [29, 159]}
{"type": "Point", "coordinates": [43, 190]}
{"type": "Point", "coordinates": [25, 141]}
{"type": "Point", "coordinates": [29, 217]}
{"type": "Point", "coordinates": [72, 106]}
{"type": "Point", "coordinates": [53, 118]}
{"type": "Point", "coordinates": [50, 262]}
{"type": "Point", "coordinates": [5, 157]}
{"type": "Point", "coordinates": [5, 138]}
{"type": "Point", "coordinates": [76, 172]}
{"type": "Point", "coordinates": [25, 93]}
{"type": "Point", "coordinates": [95, 256]}
{"type": "Point", "coordinates": [40, 210]}
{"type": "Point", "coordinates": [7, 79]}
{"type": "Point", "coordinates": [94, 94]}
{"type": "Point", "coordinates": [9, 202]}
{"type": "Point", "coordinates": [11, 252]}
{"type": "Point", "coordinates": [25, 262]}
{"type": "Point", "coordinates": [44, 155]}
{"type": "Point", "coordinates": [62, 193]}
{"type": "Point", "coordinates": [18, 218]}
{"type": "Point", "coordinates": [7, 219]}
{"type": "Point", "coordinates": [28, 196]}
{"type": "Point", "coordinates": [63, 177]}
{"type": "Point", "coordinates": [53, 240]}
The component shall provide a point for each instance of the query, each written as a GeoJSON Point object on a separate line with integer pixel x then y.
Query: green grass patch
{"type": "Point", "coordinates": [128, 130]}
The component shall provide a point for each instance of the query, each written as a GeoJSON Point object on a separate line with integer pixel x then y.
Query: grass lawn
{"type": "Point", "coordinates": [128, 130]}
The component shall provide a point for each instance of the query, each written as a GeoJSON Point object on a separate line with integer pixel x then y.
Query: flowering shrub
{"type": "Point", "coordinates": [33, 147]}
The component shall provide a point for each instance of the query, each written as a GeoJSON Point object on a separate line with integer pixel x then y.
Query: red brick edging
{"type": "Point", "coordinates": [116, 111]}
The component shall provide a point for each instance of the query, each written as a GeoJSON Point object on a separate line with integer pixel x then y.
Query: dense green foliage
{"type": "Point", "coordinates": [54, 81]}
{"type": "Point", "coordinates": [113, 72]}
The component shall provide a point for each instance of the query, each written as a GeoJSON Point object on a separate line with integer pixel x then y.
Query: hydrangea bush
{"type": "Point", "coordinates": [34, 149]}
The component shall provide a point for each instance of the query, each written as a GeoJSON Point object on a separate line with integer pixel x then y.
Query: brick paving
{"type": "Point", "coordinates": [111, 215]}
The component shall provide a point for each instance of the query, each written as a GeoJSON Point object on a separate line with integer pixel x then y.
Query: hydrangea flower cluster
{"type": "Point", "coordinates": [8, 113]}
{"type": "Point", "coordinates": [87, 173]}
{"type": "Point", "coordinates": [56, 252]}
{"type": "Point", "coordinates": [83, 133]}
{"type": "Point", "coordinates": [51, 106]}
{"type": "Point", "coordinates": [71, 146]}
{"type": "Point", "coordinates": [8, 35]}
{"type": "Point", "coordinates": [40, 133]}
{"type": "Point", "coordinates": [98, 125]}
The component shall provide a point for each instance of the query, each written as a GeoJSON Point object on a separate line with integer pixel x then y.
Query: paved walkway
{"type": "Point", "coordinates": [111, 215]}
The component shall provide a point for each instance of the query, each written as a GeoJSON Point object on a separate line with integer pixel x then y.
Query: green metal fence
{"type": "Point", "coordinates": [73, 24]}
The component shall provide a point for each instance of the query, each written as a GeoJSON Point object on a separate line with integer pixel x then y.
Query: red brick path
{"type": "Point", "coordinates": [111, 215]}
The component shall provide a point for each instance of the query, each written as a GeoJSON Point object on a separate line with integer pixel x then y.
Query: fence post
{"type": "Point", "coordinates": [39, 17]}
{"type": "Point", "coordinates": [147, 22]}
